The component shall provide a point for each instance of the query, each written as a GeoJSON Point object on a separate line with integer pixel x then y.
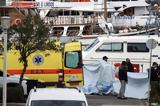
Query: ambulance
{"type": "Point", "coordinates": [51, 68]}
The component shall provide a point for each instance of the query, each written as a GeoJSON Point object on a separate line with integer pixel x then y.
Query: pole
{"type": "Point", "coordinates": [5, 69]}
{"type": "Point", "coordinates": [105, 10]}
{"type": "Point", "coordinates": [149, 73]}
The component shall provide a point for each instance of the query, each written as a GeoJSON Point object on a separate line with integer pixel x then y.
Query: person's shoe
{"type": "Point", "coordinates": [124, 98]}
{"type": "Point", "coordinates": [119, 97]}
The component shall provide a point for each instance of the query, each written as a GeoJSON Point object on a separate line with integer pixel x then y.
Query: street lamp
{"type": "Point", "coordinates": [5, 24]}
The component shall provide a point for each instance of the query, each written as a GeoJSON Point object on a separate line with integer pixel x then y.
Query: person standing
{"type": "Point", "coordinates": [105, 58]}
{"type": "Point", "coordinates": [123, 79]}
{"type": "Point", "coordinates": [155, 87]}
{"type": "Point", "coordinates": [129, 65]}
{"type": "Point", "coordinates": [107, 76]}
{"type": "Point", "coordinates": [158, 73]}
{"type": "Point", "coordinates": [154, 72]}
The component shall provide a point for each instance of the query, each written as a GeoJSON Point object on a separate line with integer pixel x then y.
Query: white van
{"type": "Point", "coordinates": [118, 48]}
{"type": "Point", "coordinates": [56, 97]}
{"type": "Point", "coordinates": [13, 80]}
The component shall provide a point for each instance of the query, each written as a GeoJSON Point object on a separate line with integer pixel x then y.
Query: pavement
{"type": "Point", "coordinates": [109, 100]}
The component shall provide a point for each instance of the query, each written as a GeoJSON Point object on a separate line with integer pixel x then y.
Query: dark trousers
{"type": "Point", "coordinates": [155, 92]}
{"type": "Point", "coordinates": [122, 88]}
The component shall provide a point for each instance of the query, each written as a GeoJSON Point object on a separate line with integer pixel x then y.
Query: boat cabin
{"type": "Point", "coordinates": [117, 49]}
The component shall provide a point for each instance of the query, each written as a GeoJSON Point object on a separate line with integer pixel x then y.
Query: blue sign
{"type": "Point", "coordinates": [38, 59]}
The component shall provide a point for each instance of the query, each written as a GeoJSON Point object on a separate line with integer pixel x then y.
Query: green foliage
{"type": "Point", "coordinates": [30, 35]}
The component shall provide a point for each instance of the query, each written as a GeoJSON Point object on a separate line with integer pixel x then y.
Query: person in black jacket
{"type": "Point", "coordinates": [158, 73]}
{"type": "Point", "coordinates": [129, 65]}
{"type": "Point", "coordinates": [155, 84]}
{"type": "Point", "coordinates": [123, 79]}
{"type": "Point", "coordinates": [154, 72]}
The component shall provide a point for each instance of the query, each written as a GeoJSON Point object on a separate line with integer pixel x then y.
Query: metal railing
{"type": "Point", "coordinates": [67, 20]}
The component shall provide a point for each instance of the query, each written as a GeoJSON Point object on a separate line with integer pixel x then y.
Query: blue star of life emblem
{"type": "Point", "coordinates": [38, 59]}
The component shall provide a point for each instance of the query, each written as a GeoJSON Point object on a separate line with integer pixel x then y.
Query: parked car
{"type": "Point", "coordinates": [13, 80]}
{"type": "Point", "coordinates": [56, 97]}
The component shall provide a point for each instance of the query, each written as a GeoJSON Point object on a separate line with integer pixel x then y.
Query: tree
{"type": "Point", "coordinates": [27, 37]}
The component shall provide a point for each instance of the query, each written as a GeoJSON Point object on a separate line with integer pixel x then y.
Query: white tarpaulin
{"type": "Point", "coordinates": [98, 77]}
{"type": "Point", "coordinates": [137, 86]}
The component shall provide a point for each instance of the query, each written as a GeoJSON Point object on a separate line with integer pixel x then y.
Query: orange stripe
{"type": "Point", "coordinates": [45, 71]}
{"type": "Point", "coordinates": [39, 71]}
{"type": "Point", "coordinates": [73, 71]}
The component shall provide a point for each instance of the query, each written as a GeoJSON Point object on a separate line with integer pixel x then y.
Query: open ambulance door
{"type": "Point", "coordinates": [73, 67]}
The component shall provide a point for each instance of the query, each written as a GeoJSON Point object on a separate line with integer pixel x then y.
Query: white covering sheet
{"type": "Point", "coordinates": [137, 86]}
{"type": "Point", "coordinates": [99, 77]}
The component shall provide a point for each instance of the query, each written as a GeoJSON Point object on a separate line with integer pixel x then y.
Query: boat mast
{"type": "Point", "coordinates": [105, 10]}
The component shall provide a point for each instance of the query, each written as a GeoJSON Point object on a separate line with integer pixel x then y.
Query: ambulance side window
{"type": "Point", "coordinates": [72, 59]}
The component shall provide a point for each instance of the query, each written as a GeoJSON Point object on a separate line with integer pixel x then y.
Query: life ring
{"type": "Point", "coordinates": [17, 21]}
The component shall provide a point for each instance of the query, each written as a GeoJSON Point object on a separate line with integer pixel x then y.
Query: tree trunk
{"type": "Point", "coordinates": [25, 64]}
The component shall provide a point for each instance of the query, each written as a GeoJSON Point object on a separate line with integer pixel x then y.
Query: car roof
{"type": "Point", "coordinates": [57, 94]}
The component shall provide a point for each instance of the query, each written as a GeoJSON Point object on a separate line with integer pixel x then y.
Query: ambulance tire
{"type": "Point", "coordinates": [15, 93]}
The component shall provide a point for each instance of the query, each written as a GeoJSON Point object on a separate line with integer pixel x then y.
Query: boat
{"type": "Point", "coordinates": [74, 18]}
{"type": "Point", "coordinates": [117, 49]}
{"type": "Point", "coordinates": [75, 13]}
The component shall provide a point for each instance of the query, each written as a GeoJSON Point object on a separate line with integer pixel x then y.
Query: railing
{"type": "Point", "coordinates": [68, 20]}
{"type": "Point", "coordinates": [132, 20]}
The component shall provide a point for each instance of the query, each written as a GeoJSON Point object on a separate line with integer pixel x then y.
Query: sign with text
{"type": "Point", "coordinates": [49, 4]}
{"type": "Point", "coordinates": [31, 4]}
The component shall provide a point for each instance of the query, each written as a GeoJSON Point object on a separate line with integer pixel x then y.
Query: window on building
{"type": "Point", "coordinates": [112, 47]}
{"type": "Point", "coordinates": [137, 47]}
